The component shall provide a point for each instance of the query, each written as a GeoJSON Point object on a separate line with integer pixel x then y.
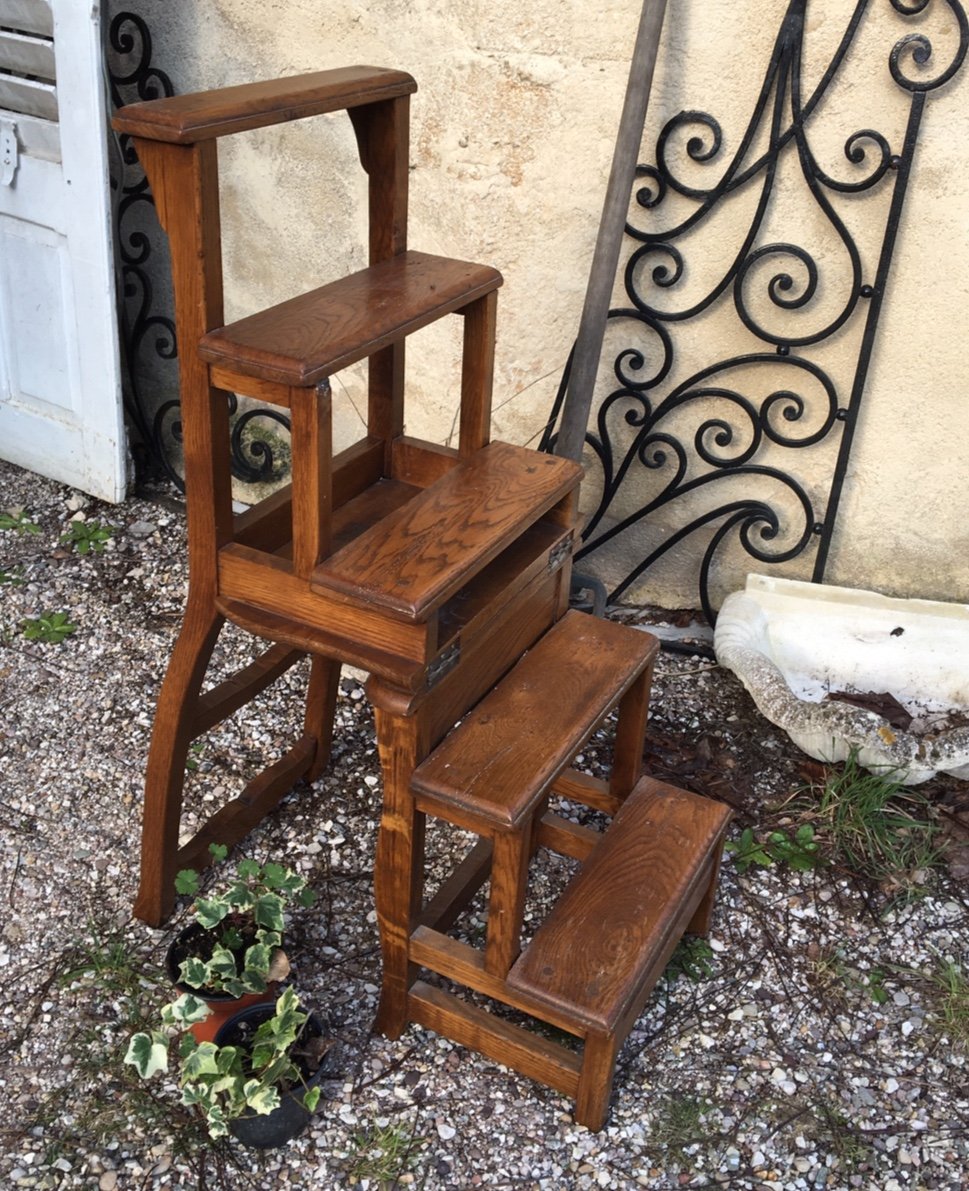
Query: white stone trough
{"type": "Point", "coordinates": [791, 643]}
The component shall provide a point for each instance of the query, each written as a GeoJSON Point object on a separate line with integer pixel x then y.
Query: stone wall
{"type": "Point", "coordinates": [512, 136]}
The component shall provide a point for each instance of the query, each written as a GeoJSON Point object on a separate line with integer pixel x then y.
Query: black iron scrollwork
{"type": "Point", "coordinates": [148, 335]}
{"type": "Point", "coordinates": [718, 442]}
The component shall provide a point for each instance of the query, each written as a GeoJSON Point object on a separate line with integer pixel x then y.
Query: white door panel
{"type": "Point", "coordinates": [60, 402]}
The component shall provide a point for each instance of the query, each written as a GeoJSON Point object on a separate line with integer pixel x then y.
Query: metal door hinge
{"type": "Point", "coordinates": [445, 661]}
{"type": "Point", "coordinates": [9, 152]}
{"type": "Point", "coordinates": [558, 554]}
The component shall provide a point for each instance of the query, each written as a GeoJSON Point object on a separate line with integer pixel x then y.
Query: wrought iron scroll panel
{"type": "Point", "coordinates": [756, 414]}
{"type": "Point", "coordinates": [148, 338]}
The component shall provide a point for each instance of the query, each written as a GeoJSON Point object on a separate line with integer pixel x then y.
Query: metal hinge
{"type": "Point", "coordinates": [445, 661]}
{"type": "Point", "coordinates": [9, 152]}
{"type": "Point", "coordinates": [558, 554]}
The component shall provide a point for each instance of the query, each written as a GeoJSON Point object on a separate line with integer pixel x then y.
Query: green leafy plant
{"type": "Point", "coordinates": [870, 829]}
{"type": "Point", "coordinates": [19, 522]}
{"type": "Point", "coordinates": [876, 986]}
{"type": "Point", "coordinates": [226, 1082]}
{"type": "Point", "coordinates": [747, 851]}
{"type": "Point", "coordinates": [952, 1000]}
{"type": "Point", "coordinates": [108, 962]}
{"type": "Point", "coordinates": [678, 1121]}
{"type": "Point", "coordinates": [236, 946]}
{"type": "Point", "coordinates": [52, 628]}
{"type": "Point", "coordinates": [14, 578]}
{"type": "Point", "coordinates": [383, 1153]}
{"type": "Point", "coordinates": [87, 536]}
{"type": "Point", "coordinates": [692, 958]}
{"type": "Point", "coordinates": [799, 850]}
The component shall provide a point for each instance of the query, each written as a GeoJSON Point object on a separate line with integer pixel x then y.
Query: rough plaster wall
{"type": "Point", "coordinates": [512, 135]}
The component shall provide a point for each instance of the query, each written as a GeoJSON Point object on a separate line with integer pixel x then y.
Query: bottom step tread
{"type": "Point", "coordinates": [623, 913]}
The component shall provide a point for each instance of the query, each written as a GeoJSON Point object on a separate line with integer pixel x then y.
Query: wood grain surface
{"type": "Point", "coordinates": [306, 339]}
{"type": "Point", "coordinates": [592, 953]}
{"type": "Point", "coordinates": [419, 557]}
{"type": "Point", "coordinates": [503, 757]}
{"type": "Point", "coordinates": [185, 119]}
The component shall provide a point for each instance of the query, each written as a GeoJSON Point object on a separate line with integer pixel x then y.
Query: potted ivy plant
{"type": "Point", "coordinates": [230, 955]}
{"type": "Point", "coordinates": [258, 1079]}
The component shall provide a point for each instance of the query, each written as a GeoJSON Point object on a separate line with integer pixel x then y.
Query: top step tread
{"type": "Point", "coordinates": [414, 560]}
{"type": "Point", "coordinates": [306, 339]}
{"type": "Point", "coordinates": [502, 758]}
{"type": "Point", "coordinates": [626, 908]}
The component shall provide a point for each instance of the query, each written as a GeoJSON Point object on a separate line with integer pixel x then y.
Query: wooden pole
{"type": "Point", "coordinates": [592, 327]}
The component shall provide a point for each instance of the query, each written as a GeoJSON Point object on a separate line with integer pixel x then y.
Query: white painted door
{"type": "Point", "coordinates": [60, 391]}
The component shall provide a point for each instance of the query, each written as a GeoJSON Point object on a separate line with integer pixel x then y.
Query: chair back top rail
{"type": "Point", "coordinates": [205, 115]}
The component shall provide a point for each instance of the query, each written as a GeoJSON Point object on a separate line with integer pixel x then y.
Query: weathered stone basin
{"type": "Point", "coordinates": [791, 643]}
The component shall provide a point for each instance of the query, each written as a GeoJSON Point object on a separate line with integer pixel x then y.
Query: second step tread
{"type": "Point", "coordinates": [609, 935]}
{"type": "Point", "coordinates": [308, 338]}
{"type": "Point", "coordinates": [413, 561]}
{"type": "Point", "coordinates": [507, 751]}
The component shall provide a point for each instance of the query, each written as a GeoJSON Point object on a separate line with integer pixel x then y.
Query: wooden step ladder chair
{"type": "Point", "coordinates": [434, 569]}
{"type": "Point", "coordinates": [382, 602]}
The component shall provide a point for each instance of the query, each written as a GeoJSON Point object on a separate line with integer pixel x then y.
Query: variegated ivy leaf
{"type": "Point", "coordinates": [251, 982]}
{"type": "Point", "coordinates": [193, 971]}
{"type": "Point", "coordinates": [268, 911]}
{"type": "Point", "coordinates": [222, 963]}
{"type": "Point", "coordinates": [148, 1053]}
{"type": "Point", "coordinates": [248, 868]}
{"type": "Point", "coordinates": [185, 1011]}
{"type": "Point", "coordinates": [202, 1061]}
{"type": "Point", "coordinates": [229, 1058]}
{"type": "Point", "coordinates": [258, 957]}
{"type": "Point", "coordinates": [209, 911]}
{"type": "Point", "coordinates": [259, 1098]}
{"type": "Point", "coordinates": [196, 1093]}
{"type": "Point", "coordinates": [216, 1122]}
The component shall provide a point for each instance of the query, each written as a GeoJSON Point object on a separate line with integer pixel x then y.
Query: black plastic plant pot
{"type": "Point", "coordinates": [265, 1131]}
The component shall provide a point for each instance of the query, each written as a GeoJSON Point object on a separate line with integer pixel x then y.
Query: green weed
{"type": "Point", "coordinates": [692, 958]}
{"type": "Point", "coordinates": [383, 1153]}
{"type": "Point", "coordinates": [799, 850]}
{"type": "Point", "coordinates": [952, 1001]}
{"type": "Point", "coordinates": [835, 977]}
{"type": "Point", "coordinates": [52, 628]}
{"type": "Point", "coordinates": [19, 522]}
{"type": "Point", "coordinates": [834, 1134]}
{"type": "Point", "coordinates": [876, 986]}
{"type": "Point", "coordinates": [108, 963]}
{"type": "Point", "coordinates": [87, 537]}
{"type": "Point", "coordinates": [869, 830]}
{"type": "Point", "coordinates": [195, 752]}
{"type": "Point", "coordinates": [14, 578]}
{"type": "Point", "coordinates": [678, 1121]}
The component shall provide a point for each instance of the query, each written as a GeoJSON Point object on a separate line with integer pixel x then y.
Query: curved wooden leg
{"type": "Point", "coordinates": [320, 710]}
{"type": "Point", "coordinates": [175, 727]}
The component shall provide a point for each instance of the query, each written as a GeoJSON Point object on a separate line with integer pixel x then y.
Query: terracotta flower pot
{"type": "Point", "coordinates": [222, 1006]}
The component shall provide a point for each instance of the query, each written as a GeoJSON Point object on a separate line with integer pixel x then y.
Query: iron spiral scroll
{"type": "Point", "coordinates": [713, 442]}
{"type": "Point", "coordinates": [149, 343]}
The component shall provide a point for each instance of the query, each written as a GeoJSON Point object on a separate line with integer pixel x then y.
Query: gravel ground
{"type": "Point", "coordinates": [813, 1043]}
